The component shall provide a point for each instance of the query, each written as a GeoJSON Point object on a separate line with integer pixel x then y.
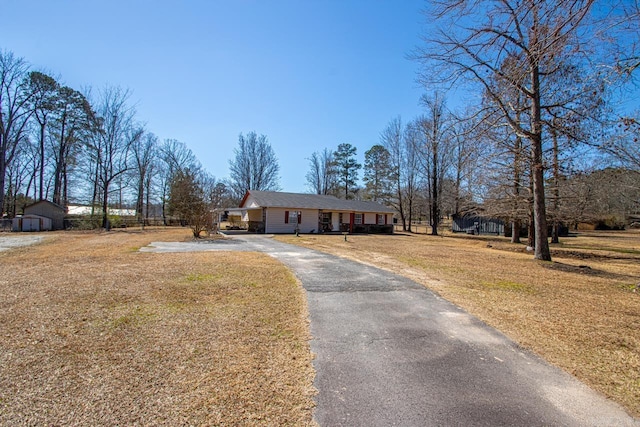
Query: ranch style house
{"type": "Point", "coordinates": [277, 212]}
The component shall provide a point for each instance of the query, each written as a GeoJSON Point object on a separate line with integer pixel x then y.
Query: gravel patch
{"type": "Point", "coordinates": [18, 240]}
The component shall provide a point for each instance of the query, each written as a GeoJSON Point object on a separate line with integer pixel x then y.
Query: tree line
{"type": "Point", "coordinates": [89, 147]}
{"type": "Point", "coordinates": [535, 141]}
{"type": "Point", "coordinates": [539, 141]}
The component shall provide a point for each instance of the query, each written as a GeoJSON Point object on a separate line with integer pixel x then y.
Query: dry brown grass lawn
{"type": "Point", "coordinates": [580, 312]}
{"type": "Point", "coordinates": [94, 332]}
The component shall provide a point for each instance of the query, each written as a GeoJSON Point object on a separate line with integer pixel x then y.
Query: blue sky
{"type": "Point", "coordinates": [308, 74]}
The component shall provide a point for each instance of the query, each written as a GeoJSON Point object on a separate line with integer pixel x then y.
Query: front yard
{"type": "Point", "coordinates": [96, 333]}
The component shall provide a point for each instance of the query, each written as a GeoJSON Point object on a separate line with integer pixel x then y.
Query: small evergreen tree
{"type": "Point", "coordinates": [187, 202]}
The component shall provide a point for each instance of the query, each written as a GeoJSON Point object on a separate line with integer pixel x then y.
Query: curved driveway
{"type": "Point", "coordinates": [390, 352]}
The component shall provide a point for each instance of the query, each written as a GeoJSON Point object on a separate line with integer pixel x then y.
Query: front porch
{"type": "Point", "coordinates": [353, 222]}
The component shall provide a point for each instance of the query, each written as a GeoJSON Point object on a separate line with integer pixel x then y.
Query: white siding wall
{"type": "Point", "coordinates": [370, 218]}
{"type": "Point", "coordinates": [275, 221]}
{"type": "Point", "coordinates": [309, 221]}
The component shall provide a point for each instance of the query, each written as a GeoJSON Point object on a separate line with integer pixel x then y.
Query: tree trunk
{"type": "Point", "coordinates": [96, 183]}
{"type": "Point", "coordinates": [539, 209]}
{"type": "Point", "coordinates": [403, 218]}
{"type": "Point", "coordinates": [105, 212]}
{"type": "Point", "coordinates": [555, 235]}
{"type": "Point", "coordinates": [515, 231]}
{"type": "Point", "coordinates": [41, 182]}
{"type": "Point", "coordinates": [531, 226]}
{"type": "Point", "coordinates": [3, 170]}
{"type": "Point", "coordinates": [140, 198]}
{"type": "Point", "coordinates": [435, 208]}
{"type": "Point", "coordinates": [410, 218]}
{"type": "Point", "coordinates": [456, 207]}
{"type": "Point", "coordinates": [164, 206]}
{"type": "Point", "coordinates": [531, 231]}
{"type": "Point", "coordinates": [32, 179]}
{"type": "Point", "coordinates": [542, 251]}
{"type": "Point", "coordinates": [517, 182]}
{"type": "Point", "coordinates": [65, 185]}
{"type": "Point", "coordinates": [106, 224]}
{"type": "Point", "coordinates": [148, 201]}
{"type": "Point", "coordinates": [541, 235]}
{"type": "Point", "coordinates": [57, 181]}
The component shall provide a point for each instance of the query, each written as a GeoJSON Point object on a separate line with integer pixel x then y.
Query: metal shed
{"type": "Point", "coordinates": [32, 223]}
{"type": "Point", "coordinates": [477, 225]}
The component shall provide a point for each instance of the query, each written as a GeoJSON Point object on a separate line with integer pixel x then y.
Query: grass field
{"type": "Point", "coordinates": [96, 333]}
{"type": "Point", "coordinates": [580, 312]}
{"type": "Point", "coordinates": [93, 332]}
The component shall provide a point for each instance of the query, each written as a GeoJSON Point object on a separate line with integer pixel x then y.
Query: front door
{"type": "Point", "coordinates": [325, 222]}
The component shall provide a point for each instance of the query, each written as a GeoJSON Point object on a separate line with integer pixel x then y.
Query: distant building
{"type": "Point", "coordinates": [86, 210]}
{"type": "Point", "coordinates": [477, 225]}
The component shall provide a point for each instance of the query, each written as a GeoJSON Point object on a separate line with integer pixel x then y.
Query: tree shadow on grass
{"type": "Point", "coordinates": [588, 271]}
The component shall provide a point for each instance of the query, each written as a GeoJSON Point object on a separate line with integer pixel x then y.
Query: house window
{"type": "Point", "coordinates": [381, 219]}
{"type": "Point", "coordinates": [291, 217]}
{"type": "Point", "coordinates": [357, 218]}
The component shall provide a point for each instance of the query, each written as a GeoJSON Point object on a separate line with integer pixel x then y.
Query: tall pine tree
{"type": "Point", "coordinates": [347, 168]}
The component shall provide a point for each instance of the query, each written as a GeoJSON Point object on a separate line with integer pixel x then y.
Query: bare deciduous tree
{"type": "Point", "coordinates": [507, 192]}
{"type": "Point", "coordinates": [436, 153]}
{"type": "Point", "coordinates": [624, 144]}
{"type": "Point", "coordinates": [112, 145]}
{"type": "Point", "coordinates": [144, 151]}
{"type": "Point", "coordinates": [467, 156]}
{"type": "Point", "coordinates": [254, 166]}
{"type": "Point", "coordinates": [74, 123]}
{"type": "Point", "coordinates": [15, 111]}
{"type": "Point", "coordinates": [43, 102]}
{"type": "Point", "coordinates": [530, 33]}
{"type": "Point", "coordinates": [401, 142]}
{"type": "Point", "coordinates": [321, 177]}
{"type": "Point", "coordinates": [174, 157]}
{"type": "Point", "coordinates": [392, 138]}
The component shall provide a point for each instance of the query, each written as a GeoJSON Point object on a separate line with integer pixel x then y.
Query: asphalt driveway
{"type": "Point", "coordinates": [390, 352]}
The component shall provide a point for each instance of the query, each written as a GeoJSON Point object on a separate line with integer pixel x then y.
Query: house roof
{"type": "Point", "coordinates": [275, 199]}
{"type": "Point", "coordinates": [46, 202]}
